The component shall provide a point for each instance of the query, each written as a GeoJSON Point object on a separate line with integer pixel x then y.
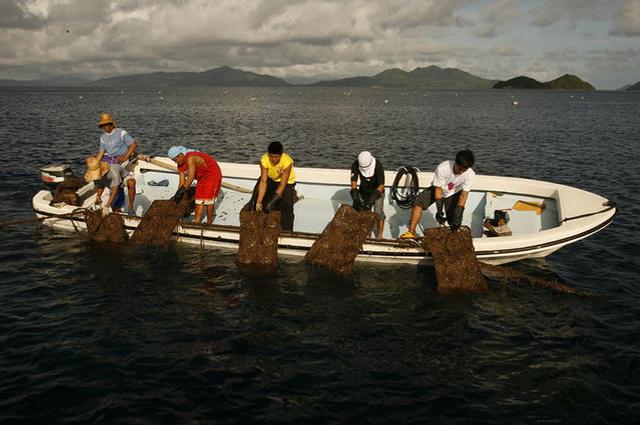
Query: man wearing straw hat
{"type": "Point", "coordinates": [103, 175]}
{"type": "Point", "coordinates": [116, 148]}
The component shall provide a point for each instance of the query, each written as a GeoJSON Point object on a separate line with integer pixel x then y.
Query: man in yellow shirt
{"type": "Point", "coordinates": [276, 186]}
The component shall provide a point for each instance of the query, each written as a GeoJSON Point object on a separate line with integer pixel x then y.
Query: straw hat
{"type": "Point", "coordinates": [106, 118]}
{"type": "Point", "coordinates": [95, 169]}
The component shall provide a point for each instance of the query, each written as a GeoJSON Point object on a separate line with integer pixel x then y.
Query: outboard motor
{"type": "Point", "coordinates": [54, 174]}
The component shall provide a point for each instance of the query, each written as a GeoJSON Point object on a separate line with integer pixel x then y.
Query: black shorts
{"type": "Point", "coordinates": [428, 197]}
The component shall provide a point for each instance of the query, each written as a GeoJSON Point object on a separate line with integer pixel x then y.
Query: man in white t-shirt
{"type": "Point", "coordinates": [451, 185]}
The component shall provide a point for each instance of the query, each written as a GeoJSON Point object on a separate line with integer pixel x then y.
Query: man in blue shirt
{"type": "Point", "coordinates": [116, 148]}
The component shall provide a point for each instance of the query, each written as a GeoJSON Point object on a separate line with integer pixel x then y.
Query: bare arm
{"type": "Point", "coordinates": [438, 193]}
{"type": "Point", "coordinates": [99, 191]}
{"type": "Point", "coordinates": [113, 192]}
{"type": "Point", "coordinates": [191, 170]}
{"type": "Point", "coordinates": [262, 186]}
{"type": "Point", "coordinates": [100, 154]}
{"type": "Point", "coordinates": [132, 149]}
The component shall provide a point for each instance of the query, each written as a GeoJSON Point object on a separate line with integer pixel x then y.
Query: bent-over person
{"type": "Point", "coordinates": [370, 194]}
{"type": "Point", "coordinates": [451, 185]}
{"type": "Point", "coordinates": [196, 165]}
{"type": "Point", "coordinates": [275, 189]}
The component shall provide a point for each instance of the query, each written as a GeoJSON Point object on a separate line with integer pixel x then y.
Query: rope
{"type": "Point", "coordinates": [610, 206]}
{"type": "Point", "coordinates": [40, 219]}
{"type": "Point", "coordinates": [405, 195]}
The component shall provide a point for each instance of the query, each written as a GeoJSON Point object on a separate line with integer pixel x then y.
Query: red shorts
{"type": "Point", "coordinates": [208, 188]}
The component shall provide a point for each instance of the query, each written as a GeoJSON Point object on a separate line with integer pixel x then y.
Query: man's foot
{"type": "Point", "coordinates": [407, 235]}
{"type": "Point", "coordinates": [131, 212]}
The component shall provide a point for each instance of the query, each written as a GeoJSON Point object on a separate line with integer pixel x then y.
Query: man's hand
{"type": "Point", "coordinates": [457, 218]}
{"type": "Point", "coordinates": [121, 158]}
{"type": "Point", "coordinates": [105, 211]}
{"type": "Point", "coordinates": [179, 194]}
{"type": "Point", "coordinates": [440, 218]}
{"type": "Point", "coordinates": [272, 203]}
{"type": "Point", "coordinates": [357, 202]}
{"type": "Point", "coordinates": [259, 206]}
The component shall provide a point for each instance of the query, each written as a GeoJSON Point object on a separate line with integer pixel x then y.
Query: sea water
{"type": "Point", "coordinates": [102, 334]}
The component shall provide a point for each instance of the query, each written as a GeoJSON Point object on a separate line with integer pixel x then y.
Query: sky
{"type": "Point", "coordinates": [305, 41]}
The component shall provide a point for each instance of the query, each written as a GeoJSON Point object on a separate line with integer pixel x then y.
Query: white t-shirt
{"type": "Point", "coordinates": [451, 183]}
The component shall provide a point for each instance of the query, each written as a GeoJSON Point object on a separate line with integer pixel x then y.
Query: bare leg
{"type": "Point", "coordinates": [199, 211]}
{"type": "Point", "coordinates": [131, 186]}
{"type": "Point", "coordinates": [416, 215]}
{"type": "Point", "coordinates": [380, 228]}
{"type": "Point", "coordinates": [210, 212]}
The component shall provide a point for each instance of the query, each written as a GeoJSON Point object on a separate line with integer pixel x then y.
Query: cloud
{"type": "Point", "coordinates": [628, 19]}
{"type": "Point", "coordinates": [13, 14]}
{"type": "Point", "coordinates": [302, 39]}
{"type": "Point", "coordinates": [549, 12]}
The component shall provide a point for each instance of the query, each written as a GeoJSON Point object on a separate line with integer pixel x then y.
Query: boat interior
{"type": "Point", "coordinates": [317, 203]}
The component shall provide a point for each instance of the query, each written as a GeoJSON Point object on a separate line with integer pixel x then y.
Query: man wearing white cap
{"type": "Point", "coordinates": [116, 148]}
{"type": "Point", "coordinates": [370, 194]}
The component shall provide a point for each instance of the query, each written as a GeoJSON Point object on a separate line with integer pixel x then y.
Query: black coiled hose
{"type": "Point", "coordinates": [406, 194]}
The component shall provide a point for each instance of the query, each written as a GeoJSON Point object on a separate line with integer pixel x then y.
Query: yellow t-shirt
{"type": "Point", "coordinates": [275, 171]}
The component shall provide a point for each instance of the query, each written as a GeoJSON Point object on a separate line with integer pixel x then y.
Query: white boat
{"type": "Point", "coordinates": [560, 214]}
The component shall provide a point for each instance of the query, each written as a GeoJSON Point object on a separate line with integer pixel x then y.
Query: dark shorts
{"type": "Point", "coordinates": [427, 197]}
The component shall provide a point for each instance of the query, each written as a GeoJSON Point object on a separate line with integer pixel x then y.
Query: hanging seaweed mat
{"type": "Point", "coordinates": [457, 268]}
{"type": "Point", "coordinates": [66, 191]}
{"type": "Point", "coordinates": [105, 229]}
{"type": "Point", "coordinates": [339, 243]}
{"type": "Point", "coordinates": [518, 276]}
{"type": "Point", "coordinates": [156, 227]}
{"type": "Point", "coordinates": [258, 246]}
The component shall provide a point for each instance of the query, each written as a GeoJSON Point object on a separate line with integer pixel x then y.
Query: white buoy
{"type": "Point", "coordinates": [515, 103]}
{"type": "Point", "coordinates": [386, 101]}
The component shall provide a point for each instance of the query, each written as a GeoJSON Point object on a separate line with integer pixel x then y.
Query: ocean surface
{"type": "Point", "coordinates": [105, 334]}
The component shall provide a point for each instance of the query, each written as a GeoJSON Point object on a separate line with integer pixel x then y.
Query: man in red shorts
{"type": "Point", "coordinates": [195, 165]}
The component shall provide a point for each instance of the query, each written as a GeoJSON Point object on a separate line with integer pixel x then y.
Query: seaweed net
{"type": "Point", "coordinates": [105, 229]}
{"type": "Point", "coordinates": [341, 240]}
{"type": "Point", "coordinates": [258, 246]}
{"type": "Point", "coordinates": [156, 227]}
{"type": "Point", "coordinates": [66, 191]}
{"type": "Point", "coordinates": [457, 268]}
{"type": "Point", "coordinates": [519, 276]}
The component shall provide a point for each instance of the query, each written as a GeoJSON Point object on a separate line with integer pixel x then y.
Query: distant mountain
{"type": "Point", "coordinates": [46, 82]}
{"type": "Point", "coordinates": [431, 77]}
{"type": "Point", "coordinates": [217, 77]}
{"type": "Point", "coordinates": [566, 82]}
{"type": "Point", "coordinates": [519, 83]}
{"type": "Point", "coordinates": [636, 86]}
